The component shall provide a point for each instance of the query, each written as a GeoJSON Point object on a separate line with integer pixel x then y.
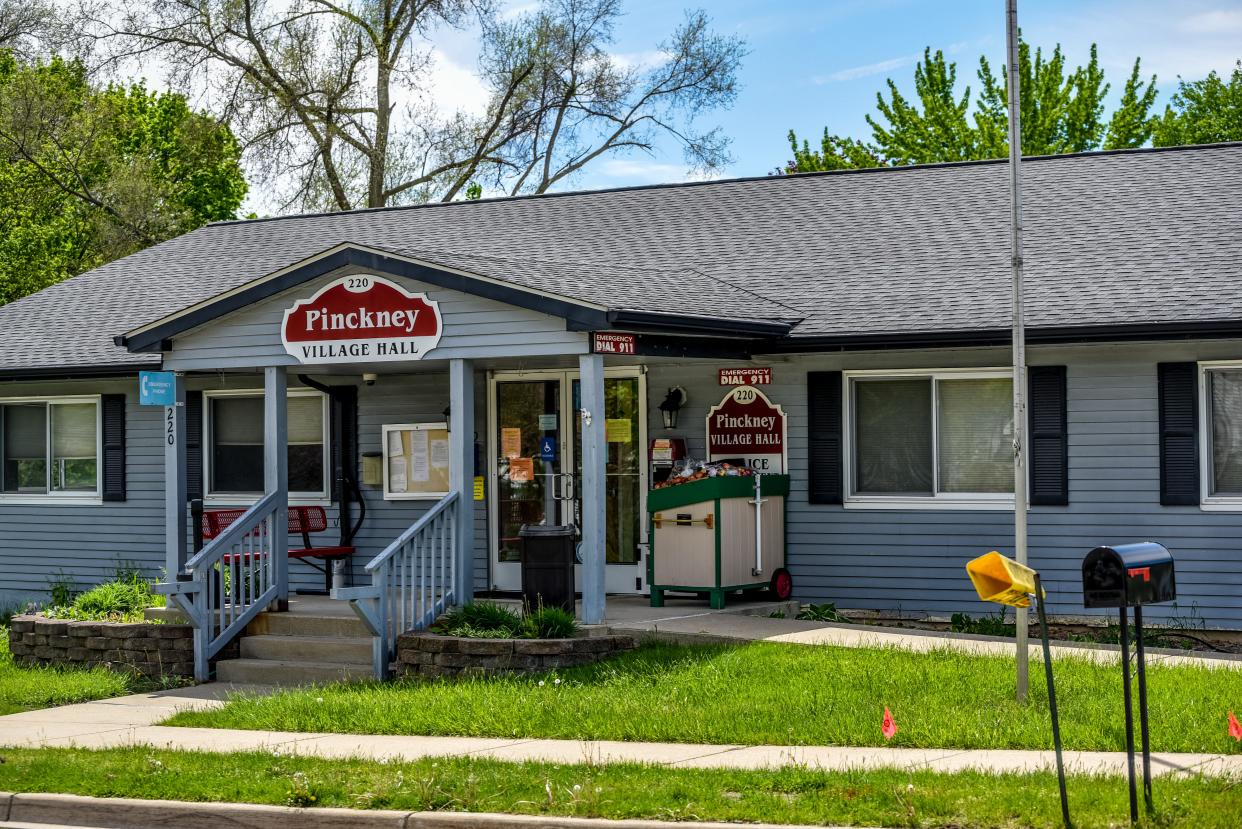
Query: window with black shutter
{"type": "Point", "coordinates": [194, 445]}
{"type": "Point", "coordinates": [1049, 428]}
{"type": "Point", "coordinates": [1179, 433]}
{"type": "Point", "coordinates": [825, 473]}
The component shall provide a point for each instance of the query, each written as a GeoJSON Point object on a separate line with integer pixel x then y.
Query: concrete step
{"type": "Point", "coordinates": [350, 650]}
{"type": "Point", "coordinates": [282, 672]}
{"type": "Point", "coordinates": [297, 624]}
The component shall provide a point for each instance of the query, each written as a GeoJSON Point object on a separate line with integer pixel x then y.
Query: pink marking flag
{"type": "Point", "coordinates": [888, 726]}
{"type": "Point", "coordinates": [1235, 727]}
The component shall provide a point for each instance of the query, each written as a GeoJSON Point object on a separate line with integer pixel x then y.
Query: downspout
{"type": "Point", "coordinates": [347, 485]}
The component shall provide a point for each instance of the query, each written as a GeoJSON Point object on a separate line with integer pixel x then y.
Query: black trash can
{"type": "Point", "coordinates": [547, 566]}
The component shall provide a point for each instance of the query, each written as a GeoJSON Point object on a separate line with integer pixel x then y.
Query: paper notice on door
{"type": "Point", "coordinates": [548, 422]}
{"type": "Point", "coordinates": [420, 461]}
{"type": "Point", "coordinates": [617, 430]}
{"type": "Point", "coordinates": [439, 453]}
{"type": "Point", "coordinates": [395, 449]}
{"type": "Point", "coordinates": [510, 442]}
{"type": "Point", "coordinates": [521, 470]}
{"type": "Point", "coordinates": [396, 475]}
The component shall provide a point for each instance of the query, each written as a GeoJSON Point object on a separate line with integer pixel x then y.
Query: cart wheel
{"type": "Point", "coordinates": [781, 586]}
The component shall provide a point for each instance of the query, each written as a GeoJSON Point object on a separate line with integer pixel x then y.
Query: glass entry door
{"type": "Point", "coordinates": [535, 445]}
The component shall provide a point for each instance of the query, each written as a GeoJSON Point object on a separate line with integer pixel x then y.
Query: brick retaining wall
{"type": "Point", "coordinates": [431, 655]}
{"type": "Point", "coordinates": [144, 648]}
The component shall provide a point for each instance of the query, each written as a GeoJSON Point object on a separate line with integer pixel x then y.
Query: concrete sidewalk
{"type": "Point", "coordinates": [128, 721]}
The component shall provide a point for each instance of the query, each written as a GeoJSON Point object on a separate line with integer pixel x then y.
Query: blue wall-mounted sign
{"type": "Point", "coordinates": [547, 449]}
{"type": "Point", "coordinates": [157, 388]}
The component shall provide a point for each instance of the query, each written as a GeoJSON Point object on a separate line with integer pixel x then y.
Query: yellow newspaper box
{"type": "Point", "coordinates": [1002, 580]}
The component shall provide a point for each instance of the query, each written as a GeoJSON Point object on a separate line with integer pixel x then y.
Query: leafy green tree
{"type": "Point", "coordinates": [89, 174]}
{"type": "Point", "coordinates": [1062, 112]}
{"type": "Point", "coordinates": [1202, 112]}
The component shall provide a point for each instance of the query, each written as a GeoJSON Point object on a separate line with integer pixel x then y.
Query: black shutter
{"type": "Point", "coordinates": [113, 417]}
{"type": "Point", "coordinates": [194, 444]}
{"type": "Point", "coordinates": [824, 462]}
{"type": "Point", "coordinates": [344, 435]}
{"type": "Point", "coordinates": [1049, 455]}
{"type": "Point", "coordinates": [1179, 433]}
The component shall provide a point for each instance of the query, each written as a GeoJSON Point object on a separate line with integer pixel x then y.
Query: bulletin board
{"type": "Point", "coordinates": [416, 461]}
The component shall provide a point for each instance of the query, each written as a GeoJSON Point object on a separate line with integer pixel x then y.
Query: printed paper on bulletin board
{"type": "Point", "coordinates": [417, 462]}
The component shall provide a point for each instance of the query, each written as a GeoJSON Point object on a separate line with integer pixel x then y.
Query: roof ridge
{"type": "Point", "coordinates": [903, 168]}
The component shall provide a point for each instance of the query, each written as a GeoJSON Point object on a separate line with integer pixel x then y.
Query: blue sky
{"type": "Point", "coordinates": [813, 64]}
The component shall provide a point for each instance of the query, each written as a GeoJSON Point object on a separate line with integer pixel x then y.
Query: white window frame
{"type": "Point", "coordinates": [320, 498]}
{"type": "Point", "coordinates": [938, 500]}
{"type": "Point", "coordinates": [51, 497]}
{"type": "Point", "coordinates": [1208, 501]}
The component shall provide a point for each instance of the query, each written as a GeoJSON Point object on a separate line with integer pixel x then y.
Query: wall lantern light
{"type": "Point", "coordinates": [673, 403]}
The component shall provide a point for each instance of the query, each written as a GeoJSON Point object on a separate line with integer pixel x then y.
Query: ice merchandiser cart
{"type": "Point", "coordinates": [719, 535]}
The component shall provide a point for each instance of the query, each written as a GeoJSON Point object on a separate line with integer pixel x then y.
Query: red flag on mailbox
{"type": "Point", "coordinates": [1235, 727]}
{"type": "Point", "coordinates": [888, 726]}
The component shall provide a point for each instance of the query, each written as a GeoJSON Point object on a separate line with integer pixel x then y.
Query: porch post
{"type": "Point", "coordinates": [276, 471]}
{"type": "Point", "coordinates": [175, 486]}
{"type": "Point", "coordinates": [461, 469]}
{"type": "Point", "coordinates": [594, 457]}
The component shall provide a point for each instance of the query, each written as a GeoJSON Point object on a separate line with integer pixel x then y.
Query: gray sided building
{"type": "Point", "coordinates": [878, 299]}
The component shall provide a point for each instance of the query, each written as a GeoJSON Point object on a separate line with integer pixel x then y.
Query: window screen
{"type": "Point", "coordinates": [75, 449]}
{"type": "Point", "coordinates": [893, 437]}
{"type": "Point", "coordinates": [24, 450]}
{"type": "Point", "coordinates": [1226, 387]}
{"type": "Point", "coordinates": [237, 444]}
{"type": "Point", "coordinates": [975, 427]}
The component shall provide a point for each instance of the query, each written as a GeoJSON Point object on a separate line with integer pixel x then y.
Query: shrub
{"type": "Point", "coordinates": [480, 617]}
{"type": "Point", "coordinates": [824, 613]}
{"type": "Point", "coordinates": [61, 588]}
{"type": "Point", "coordinates": [984, 625]}
{"type": "Point", "coordinates": [549, 623]}
{"type": "Point", "coordinates": [121, 600]}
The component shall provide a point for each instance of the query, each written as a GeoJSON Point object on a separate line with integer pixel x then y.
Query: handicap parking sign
{"type": "Point", "coordinates": [547, 448]}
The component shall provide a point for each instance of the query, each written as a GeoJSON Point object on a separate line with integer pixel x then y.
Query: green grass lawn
{"type": "Point", "coordinates": [792, 795]}
{"type": "Point", "coordinates": [768, 693]}
{"type": "Point", "coordinates": [24, 689]}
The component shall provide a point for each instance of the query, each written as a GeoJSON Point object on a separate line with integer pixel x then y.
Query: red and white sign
{"type": "Point", "coordinates": [361, 319]}
{"type": "Point", "coordinates": [747, 425]}
{"type": "Point", "coordinates": [605, 343]}
{"type": "Point", "coordinates": [746, 376]}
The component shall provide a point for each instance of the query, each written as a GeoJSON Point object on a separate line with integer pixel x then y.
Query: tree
{"type": "Point", "coordinates": [581, 103]}
{"type": "Point", "coordinates": [1202, 112]}
{"type": "Point", "coordinates": [89, 174]}
{"type": "Point", "coordinates": [1062, 112]}
{"type": "Point", "coordinates": [331, 101]}
{"type": "Point", "coordinates": [23, 23]}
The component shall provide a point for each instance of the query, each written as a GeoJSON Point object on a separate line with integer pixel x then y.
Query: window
{"type": "Point", "coordinates": [920, 438]}
{"type": "Point", "coordinates": [1222, 415]}
{"type": "Point", "coordinates": [49, 447]}
{"type": "Point", "coordinates": [234, 448]}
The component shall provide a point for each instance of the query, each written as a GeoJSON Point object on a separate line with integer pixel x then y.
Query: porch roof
{"type": "Point", "coordinates": [1118, 245]}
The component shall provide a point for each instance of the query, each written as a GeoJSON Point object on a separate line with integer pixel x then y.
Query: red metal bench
{"type": "Point", "coordinates": [303, 521]}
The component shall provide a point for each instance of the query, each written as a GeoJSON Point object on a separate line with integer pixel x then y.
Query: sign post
{"type": "Point", "coordinates": [1008, 582]}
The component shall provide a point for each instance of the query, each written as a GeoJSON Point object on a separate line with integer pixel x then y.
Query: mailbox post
{"type": "Point", "coordinates": [1125, 576]}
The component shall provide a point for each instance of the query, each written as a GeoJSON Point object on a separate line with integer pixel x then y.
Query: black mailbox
{"type": "Point", "coordinates": [1128, 575]}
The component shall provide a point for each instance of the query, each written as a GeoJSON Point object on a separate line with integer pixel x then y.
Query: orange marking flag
{"type": "Point", "coordinates": [888, 726]}
{"type": "Point", "coordinates": [1235, 727]}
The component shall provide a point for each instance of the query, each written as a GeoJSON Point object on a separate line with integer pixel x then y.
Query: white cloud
{"type": "Point", "coordinates": [623, 171]}
{"type": "Point", "coordinates": [1214, 22]}
{"type": "Point", "coordinates": [456, 88]}
{"type": "Point", "coordinates": [629, 60]}
{"type": "Point", "coordinates": [517, 10]}
{"type": "Point", "coordinates": [867, 70]}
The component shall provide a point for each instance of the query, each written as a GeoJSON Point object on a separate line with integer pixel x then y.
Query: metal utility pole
{"type": "Point", "coordinates": [1019, 337]}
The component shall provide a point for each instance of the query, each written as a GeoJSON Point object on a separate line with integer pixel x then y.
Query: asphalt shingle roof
{"type": "Point", "coordinates": [1110, 239]}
